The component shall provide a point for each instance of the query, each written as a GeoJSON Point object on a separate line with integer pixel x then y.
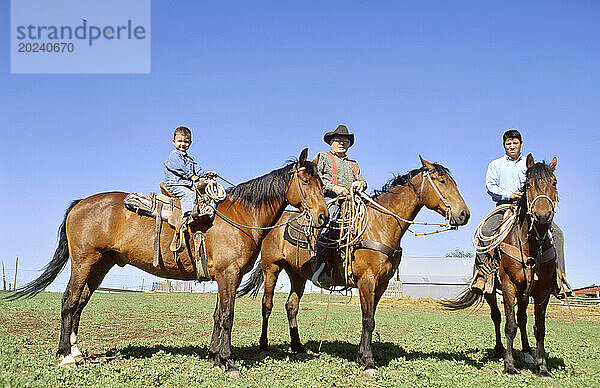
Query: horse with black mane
{"type": "Point", "coordinates": [375, 257]}
{"type": "Point", "coordinates": [527, 267]}
{"type": "Point", "coordinates": [98, 232]}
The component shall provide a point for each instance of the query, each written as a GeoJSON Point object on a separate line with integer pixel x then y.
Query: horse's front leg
{"type": "Point", "coordinates": [539, 330]}
{"type": "Point", "coordinates": [510, 327]}
{"type": "Point", "coordinates": [366, 289]}
{"type": "Point", "coordinates": [522, 323]}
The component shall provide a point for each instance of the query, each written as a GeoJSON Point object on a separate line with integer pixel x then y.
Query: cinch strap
{"type": "Point", "coordinates": [334, 169]}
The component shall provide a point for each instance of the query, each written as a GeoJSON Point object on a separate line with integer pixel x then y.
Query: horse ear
{"type": "Point", "coordinates": [530, 162]}
{"type": "Point", "coordinates": [553, 163]}
{"type": "Point", "coordinates": [303, 156]}
{"type": "Point", "coordinates": [426, 164]}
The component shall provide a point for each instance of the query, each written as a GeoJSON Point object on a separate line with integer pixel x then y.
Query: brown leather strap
{"type": "Point", "coordinates": [157, 235]}
{"type": "Point", "coordinates": [377, 246]}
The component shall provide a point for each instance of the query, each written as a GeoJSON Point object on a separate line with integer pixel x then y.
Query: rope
{"type": "Point", "coordinates": [479, 239]}
{"type": "Point", "coordinates": [215, 190]}
{"type": "Point", "coordinates": [325, 321]}
{"type": "Point", "coordinates": [397, 217]}
{"type": "Point", "coordinates": [306, 214]}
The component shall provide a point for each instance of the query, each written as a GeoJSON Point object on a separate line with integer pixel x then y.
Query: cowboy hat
{"type": "Point", "coordinates": [341, 131]}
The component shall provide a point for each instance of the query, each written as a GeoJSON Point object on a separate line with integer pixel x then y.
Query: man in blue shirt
{"type": "Point", "coordinates": [504, 180]}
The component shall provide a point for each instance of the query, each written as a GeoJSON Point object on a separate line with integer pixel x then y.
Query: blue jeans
{"type": "Point", "coordinates": [186, 195]}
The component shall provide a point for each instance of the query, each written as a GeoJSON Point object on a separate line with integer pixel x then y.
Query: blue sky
{"type": "Point", "coordinates": [258, 81]}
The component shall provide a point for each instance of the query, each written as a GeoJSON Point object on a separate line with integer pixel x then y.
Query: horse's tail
{"type": "Point", "coordinates": [464, 300]}
{"type": "Point", "coordinates": [254, 283]}
{"type": "Point", "coordinates": [53, 268]}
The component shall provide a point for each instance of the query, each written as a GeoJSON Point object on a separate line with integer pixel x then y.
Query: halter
{"type": "Point", "coordinates": [427, 174]}
{"type": "Point", "coordinates": [531, 204]}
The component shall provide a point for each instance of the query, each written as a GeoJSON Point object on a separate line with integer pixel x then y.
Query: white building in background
{"type": "Point", "coordinates": [434, 277]}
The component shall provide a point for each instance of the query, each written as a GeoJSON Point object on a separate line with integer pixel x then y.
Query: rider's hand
{"type": "Point", "coordinates": [516, 195]}
{"type": "Point", "coordinates": [358, 186]}
{"type": "Point", "coordinates": [195, 178]}
{"type": "Point", "coordinates": [211, 174]}
{"type": "Point", "coordinates": [340, 190]}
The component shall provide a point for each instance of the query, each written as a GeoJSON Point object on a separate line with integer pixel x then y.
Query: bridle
{"type": "Point", "coordinates": [427, 174]}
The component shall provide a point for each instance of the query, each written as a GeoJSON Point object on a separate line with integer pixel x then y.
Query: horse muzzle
{"type": "Point", "coordinates": [459, 218]}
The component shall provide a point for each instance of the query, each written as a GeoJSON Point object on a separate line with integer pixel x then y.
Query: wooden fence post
{"type": "Point", "coordinates": [3, 278]}
{"type": "Point", "coordinates": [16, 267]}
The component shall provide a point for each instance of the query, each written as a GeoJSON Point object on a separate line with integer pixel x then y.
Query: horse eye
{"type": "Point", "coordinates": [442, 181]}
{"type": "Point", "coordinates": [305, 181]}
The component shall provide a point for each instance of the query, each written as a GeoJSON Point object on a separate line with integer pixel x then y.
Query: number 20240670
{"type": "Point", "coordinates": [46, 47]}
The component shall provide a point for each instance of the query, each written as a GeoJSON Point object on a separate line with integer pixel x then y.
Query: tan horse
{"type": "Point", "coordinates": [527, 244]}
{"type": "Point", "coordinates": [375, 259]}
{"type": "Point", "coordinates": [98, 232]}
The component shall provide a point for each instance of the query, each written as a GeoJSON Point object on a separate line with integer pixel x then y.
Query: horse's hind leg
{"type": "Point", "coordinates": [292, 306]}
{"type": "Point", "coordinates": [220, 349]}
{"type": "Point", "coordinates": [522, 323]}
{"type": "Point", "coordinates": [80, 269]}
{"type": "Point", "coordinates": [270, 274]}
{"type": "Point", "coordinates": [497, 319]}
{"type": "Point", "coordinates": [95, 277]}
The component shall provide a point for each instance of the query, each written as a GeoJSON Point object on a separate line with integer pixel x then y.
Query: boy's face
{"type": "Point", "coordinates": [512, 146]}
{"type": "Point", "coordinates": [182, 142]}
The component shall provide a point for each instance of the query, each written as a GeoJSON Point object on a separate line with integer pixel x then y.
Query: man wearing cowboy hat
{"type": "Point", "coordinates": [340, 176]}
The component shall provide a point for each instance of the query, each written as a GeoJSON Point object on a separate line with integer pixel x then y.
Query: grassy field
{"type": "Point", "coordinates": [161, 340]}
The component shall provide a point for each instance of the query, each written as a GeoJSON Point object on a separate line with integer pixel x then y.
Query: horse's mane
{"type": "Point", "coordinates": [540, 171]}
{"type": "Point", "coordinates": [267, 188]}
{"type": "Point", "coordinates": [406, 179]}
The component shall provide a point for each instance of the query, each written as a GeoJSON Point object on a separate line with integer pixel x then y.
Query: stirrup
{"type": "Point", "coordinates": [317, 275]}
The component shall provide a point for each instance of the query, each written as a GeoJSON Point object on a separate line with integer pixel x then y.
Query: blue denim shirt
{"type": "Point", "coordinates": [179, 168]}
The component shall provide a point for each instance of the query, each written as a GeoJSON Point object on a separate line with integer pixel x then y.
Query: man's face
{"type": "Point", "coordinates": [339, 145]}
{"type": "Point", "coordinates": [512, 146]}
{"type": "Point", "coordinates": [182, 142]}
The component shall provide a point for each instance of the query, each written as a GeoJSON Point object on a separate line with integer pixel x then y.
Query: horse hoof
{"type": "Point", "coordinates": [510, 371]}
{"type": "Point", "coordinates": [369, 372]}
{"type": "Point", "coordinates": [67, 361]}
{"type": "Point", "coordinates": [528, 359]}
{"type": "Point", "coordinates": [301, 356]}
{"type": "Point", "coordinates": [263, 353]}
{"type": "Point", "coordinates": [543, 373]}
{"type": "Point", "coordinates": [234, 373]}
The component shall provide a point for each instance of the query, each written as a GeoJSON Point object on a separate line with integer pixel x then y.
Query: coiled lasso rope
{"type": "Point", "coordinates": [493, 241]}
{"type": "Point", "coordinates": [215, 190]}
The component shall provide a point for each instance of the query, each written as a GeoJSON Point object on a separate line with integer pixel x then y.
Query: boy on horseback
{"type": "Point", "coordinates": [182, 172]}
{"type": "Point", "coordinates": [340, 176]}
{"type": "Point", "coordinates": [504, 180]}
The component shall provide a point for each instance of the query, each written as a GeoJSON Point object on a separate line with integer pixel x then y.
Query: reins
{"type": "Point", "coordinates": [446, 225]}
{"type": "Point", "coordinates": [305, 212]}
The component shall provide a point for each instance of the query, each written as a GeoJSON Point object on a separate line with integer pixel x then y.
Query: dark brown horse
{"type": "Point", "coordinates": [98, 232]}
{"type": "Point", "coordinates": [430, 186]}
{"type": "Point", "coordinates": [527, 268]}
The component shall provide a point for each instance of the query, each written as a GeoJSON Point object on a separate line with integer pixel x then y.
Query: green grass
{"type": "Point", "coordinates": [134, 340]}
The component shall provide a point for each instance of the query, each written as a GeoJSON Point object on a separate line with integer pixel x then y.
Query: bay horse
{"type": "Point", "coordinates": [526, 245]}
{"type": "Point", "coordinates": [98, 232]}
{"type": "Point", "coordinates": [374, 263]}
